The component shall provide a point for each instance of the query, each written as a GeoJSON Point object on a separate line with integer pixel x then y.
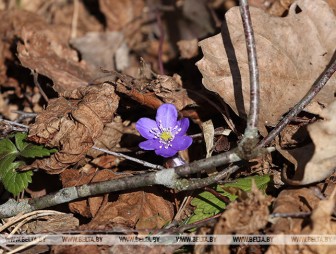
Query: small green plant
{"type": "Point", "coordinates": [14, 155]}
{"type": "Point", "coordinates": [208, 205]}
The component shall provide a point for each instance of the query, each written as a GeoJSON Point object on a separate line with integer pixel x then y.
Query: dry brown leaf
{"type": "Point", "coordinates": [61, 15]}
{"type": "Point", "coordinates": [73, 125]}
{"type": "Point", "coordinates": [320, 164]}
{"type": "Point", "coordinates": [292, 201]}
{"type": "Point", "coordinates": [75, 249]}
{"type": "Point", "coordinates": [243, 217]}
{"type": "Point", "coordinates": [188, 48]}
{"type": "Point", "coordinates": [279, 7]}
{"type": "Point", "coordinates": [125, 16]}
{"type": "Point", "coordinates": [170, 90]}
{"type": "Point", "coordinates": [247, 216]}
{"type": "Point", "coordinates": [52, 223]}
{"type": "Point", "coordinates": [140, 209]}
{"type": "Point", "coordinates": [110, 137]}
{"type": "Point", "coordinates": [72, 177]}
{"type": "Point", "coordinates": [43, 49]}
{"type": "Point", "coordinates": [290, 59]}
{"type": "Point", "coordinates": [304, 200]}
{"type": "Point", "coordinates": [323, 224]}
{"type": "Point", "coordinates": [100, 49]}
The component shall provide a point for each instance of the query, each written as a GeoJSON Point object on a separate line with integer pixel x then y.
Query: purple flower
{"type": "Point", "coordinates": [166, 135]}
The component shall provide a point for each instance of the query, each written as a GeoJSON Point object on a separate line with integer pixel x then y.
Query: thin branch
{"type": "Point", "coordinates": [290, 215]}
{"type": "Point", "coordinates": [15, 126]}
{"type": "Point", "coordinates": [184, 184]}
{"type": "Point", "coordinates": [252, 121]}
{"type": "Point", "coordinates": [37, 84]}
{"type": "Point", "coordinates": [321, 82]}
{"type": "Point", "coordinates": [144, 163]}
{"type": "Point", "coordinates": [74, 22]}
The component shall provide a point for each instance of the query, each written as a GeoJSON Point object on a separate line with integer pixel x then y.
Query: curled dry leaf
{"type": "Point", "coordinates": [170, 90]}
{"type": "Point", "coordinates": [290, 59]}
{"type": "Point", "coordinates": [44, 50]}
{"type": "Point", "coordinates": [322, 163]}
{"type": "Point", "coordinates": [140, 209]}
{"type": "Point", "coordinates": [73, 125]}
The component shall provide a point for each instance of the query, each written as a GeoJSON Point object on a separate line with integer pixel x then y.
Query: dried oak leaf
{"type": "Point", "coordinates": [42, 48]}
{"type": "Point", "coordinates": [73, 125]}
{"type": "Point", "coordinates": [290, 59]}
{"type": "Point", "coordinates": [323, 160]}
{"type": "Point", "coordinates": [140, 209]}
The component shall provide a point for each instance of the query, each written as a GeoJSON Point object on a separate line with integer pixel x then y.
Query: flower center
{"type": "Point", "coordinates": [166, 136]}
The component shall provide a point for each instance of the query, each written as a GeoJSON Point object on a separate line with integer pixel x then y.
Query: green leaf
{"type": "Point", "coordinates": [29, 150]}
{"type": "Point", "coordinates": [19, 140]}
{"type": "Point", "coordinates": [245, 184]}
{"type": "Point", "coordinates": [6, 148]}
{"type": "Point", "coordinates": [208, 205]}
{"type": "Point", "coordinates": [14, 181]}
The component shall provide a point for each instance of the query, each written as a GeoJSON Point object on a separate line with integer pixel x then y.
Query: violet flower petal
{"type": "Point", "coordinates": [166, 152]}
{"type": "Point", "coordinates": [184, 125]}
{"type": "Point", "coordinates": [151, 144]}
{"type": "Point", "coordinates": [167, 115]}
{"type": "Point", "coordinates": [181, 143]}
{"type": "Point", "coordinates": [144, 125]}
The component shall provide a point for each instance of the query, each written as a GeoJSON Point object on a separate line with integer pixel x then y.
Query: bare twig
{"type": "Point", "coordinates": [290, 215]}
{"type": "Point", "coordinates": [185, 184]}
{"type": "Point", "coordinates": [37, 84]}
{"type": "Point", "coordinates": [247, 146]}
{"type": "Point", "coordinates": [319, 84]}
{"type": "Point", "coordinates": [144, 163]}
{"type": "Point", "coordinates": [19, 126]}
{"type": "Point", "coordinates": [74, 21]}
{"type": "Point", "coordinates": [252, 121]}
